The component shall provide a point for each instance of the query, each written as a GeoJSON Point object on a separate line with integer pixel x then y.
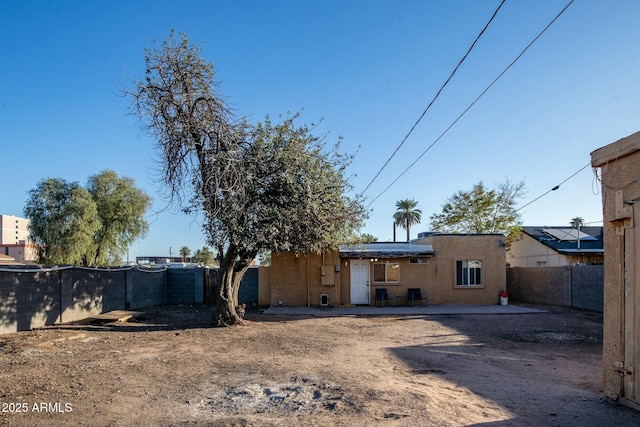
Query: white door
{"type": "Point", "coordinates": [359, 281]}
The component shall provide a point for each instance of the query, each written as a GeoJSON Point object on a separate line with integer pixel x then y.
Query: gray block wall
{"type": "Point", "coordinates": [588, 288]}
{"type": "Point", "coordinates": [145, 288]}
{"type": "Point", "coordinates": [569, 286]}
{"type": "Point", "coordinates": [28, 301]}
{"type": "Point", "coordinates": [8, 305]}
{"type": "Point", "coordinates": [32, 299]}
{"type": "Point", "coordinates": [45, 297]}
{"type": "Point", "coordinates": [248, 292]}
{"type": "Point", "coordinates": [543, 285]}
{"type": "Point", "coordinates": [185, 285]}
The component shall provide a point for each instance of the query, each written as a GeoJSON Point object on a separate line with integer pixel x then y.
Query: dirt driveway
{"type": "Point", "coordinates": [171, 369]}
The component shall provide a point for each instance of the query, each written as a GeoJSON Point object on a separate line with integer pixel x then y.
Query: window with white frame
{"type": "Point", "coordinates": [388, 272]}
{"type": "Point", "coordinates": [469, 273]}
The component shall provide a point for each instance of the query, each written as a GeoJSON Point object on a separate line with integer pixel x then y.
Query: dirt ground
{"type": "Point", "coordinates": [170, 368]}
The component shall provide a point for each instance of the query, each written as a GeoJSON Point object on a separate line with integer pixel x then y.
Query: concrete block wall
{"type": "Point", "coordinates": [543, 285]}
{"type": "Point", "coordinates": [45, 297]}
{"type": "Point", "coordinates": [38, 301]}
{"type": "Point", "coordinates": [8, 304]}
{"type": "Point", "coordinates": [95, 291]}
{"type": "Point", "coordinates": [568, 286]}
{"type": "Point", "coordinates": [31, 299]}
{"type": "Point", "coordinates": [587, 287]}
{"type": "Point", "coordinates": [185, 286]}
{"type": "Point", "coordinates": [145, 288]}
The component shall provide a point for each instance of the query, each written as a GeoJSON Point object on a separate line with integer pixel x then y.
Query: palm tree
{"type": "Point", "coordinates": [577, 222]}
{"type": "Point", "coordinates": [407, 214]}
{"type": "Point", "coordinates": [184, 253]}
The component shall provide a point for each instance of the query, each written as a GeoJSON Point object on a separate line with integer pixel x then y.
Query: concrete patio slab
{"type": "Point", "coordinates": [400, 311]}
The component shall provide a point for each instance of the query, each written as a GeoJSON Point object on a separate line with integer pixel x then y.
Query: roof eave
{"type": "Point", "coordinates": [386, 255]}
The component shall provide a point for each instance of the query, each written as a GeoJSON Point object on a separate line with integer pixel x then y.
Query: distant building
{"type": "Point", "coordinates": [14, 239]}
{"type": "Point", "coordinates": [158, 260]}
{"type": "Point", "coordinates": [556, 247]}
{"type": "Point", "coordinates": [6, 260]}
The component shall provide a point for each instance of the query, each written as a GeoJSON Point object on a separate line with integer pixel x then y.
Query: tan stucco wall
{"type": "Point", "coordinates": [264, 285]}
{"type": "Point", "coordinates": [449, 248]}
{"type": "Point", "coordinates": [411, 276]}
{"type": "Point", "coordinates": [297, 280]}
{"type": "Point", "coordinates": [618, 163]}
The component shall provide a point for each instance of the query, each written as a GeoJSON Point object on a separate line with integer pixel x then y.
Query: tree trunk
{"type": "Point", "coordinates": [232, 270]}
{"type": "Point", "coordinates": [408, 228]}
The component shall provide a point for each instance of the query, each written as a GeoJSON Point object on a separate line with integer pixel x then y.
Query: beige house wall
{"type": "Point", "coordinates": [528, 252]}
{"type": "Point", "coordinates": [619, 170]}
{"type": "Point", "coordinates": [299, 280]}
{"type": "Point", "coordinates": [449, 248]}
{"type": "Point", "coordinates": [411, 276]}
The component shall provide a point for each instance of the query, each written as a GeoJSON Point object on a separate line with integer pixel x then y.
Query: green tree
{"type": "Point", "coordinates": [86, 226]}
{"type": "Point", "coordinates": [263, 187]}
{"type": "Point", "coordinates": [407, 214]}
{"type": "Point", "coordinates": [184, 253]}
{"type": "Point", "coordinates": [481, 211]}
{"type": "Point", "coordinates": [577, 222]}
{"type": "Point", "coordinates": [121, 207]}
{"type": "Point", "coordinates": [204, 256]}
{"type": "Point", "coordinates": [264, 258]}
{"type": "Point", "coordinates": [63, 220]}
{"type": "Point", "coordinates": [368, 238]}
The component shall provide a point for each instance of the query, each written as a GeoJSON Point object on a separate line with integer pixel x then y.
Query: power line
{"type": "Point", "coordinates": [474, 102]}
{"type": "Point", "coordinates": [433, 100]}
{"type": "Point", "coordinates": [553, 189]}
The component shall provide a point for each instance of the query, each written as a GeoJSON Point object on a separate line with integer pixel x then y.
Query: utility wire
{"type": "Point", "coordinates": [553, 189]}
{"type": "Point", "coordinates": [473, 103]}
{"type": "Point", "coordinates": [433, 100]}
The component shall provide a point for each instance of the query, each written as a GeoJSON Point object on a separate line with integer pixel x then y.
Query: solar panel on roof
{"type": "Point", "coordinates": [567, 234]}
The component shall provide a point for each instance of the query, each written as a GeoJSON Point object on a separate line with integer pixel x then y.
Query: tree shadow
{"type": "Point", "coordinates": [152, 319]}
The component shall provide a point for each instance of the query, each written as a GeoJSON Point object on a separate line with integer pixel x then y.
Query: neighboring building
{"type": "Point", "coordinates": [556, 247]}
{"type": "Point", "coordinates": [620, 178]}
{"type": "Point", "coordinates": [14, 239]}
{"type": "Point", "coordinates": [449, 268]}
{"type": "Point", "coordinates": [156, 260]}
{"type": "Point", "coordinates": [5, 260]}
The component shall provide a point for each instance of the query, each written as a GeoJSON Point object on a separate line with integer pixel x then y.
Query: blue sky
{"type": "Point", "coordinates": [366, 68]}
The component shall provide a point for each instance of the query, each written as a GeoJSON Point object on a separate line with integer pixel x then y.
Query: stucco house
{"type": "Point", "coordinates": [449, 268]}
{"type": "Point", "coordinates": [557, 247]}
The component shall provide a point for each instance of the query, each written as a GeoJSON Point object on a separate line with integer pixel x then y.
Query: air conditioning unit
{"type": "Point", "coordinates": [324, 300]}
